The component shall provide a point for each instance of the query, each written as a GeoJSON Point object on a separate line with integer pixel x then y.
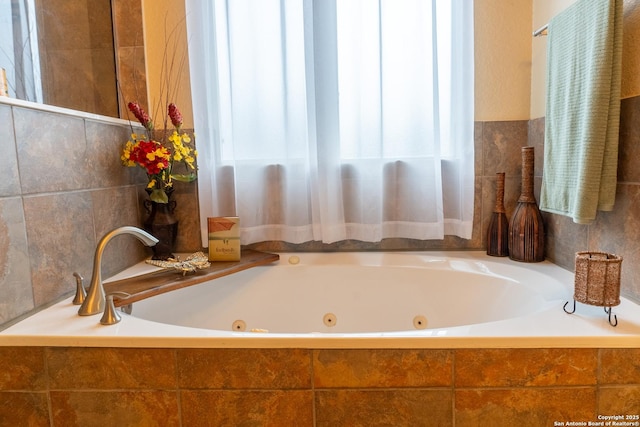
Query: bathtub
{"type": "Point", "coordinates": [352, 300]}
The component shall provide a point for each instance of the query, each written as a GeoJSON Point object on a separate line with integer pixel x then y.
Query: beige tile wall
{"type": "Point", "coordinates": [62, 187]}
{"type": "Point", "coordinates": [302, 387]}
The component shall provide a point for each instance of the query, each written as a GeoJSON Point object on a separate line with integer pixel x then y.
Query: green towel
{"type": "Point", "coordinates": [584, 52]}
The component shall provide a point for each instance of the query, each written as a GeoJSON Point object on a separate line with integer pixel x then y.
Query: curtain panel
{"type": "Point", "coordinates": [329, 120]}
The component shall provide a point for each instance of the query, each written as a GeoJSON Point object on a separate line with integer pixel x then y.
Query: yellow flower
{"type": "Point", "coordinates": [158, 158]}
{"type": "Point", "coordinates": [126, 155]}
{"type": "Point", "coordinates": [189, 160]}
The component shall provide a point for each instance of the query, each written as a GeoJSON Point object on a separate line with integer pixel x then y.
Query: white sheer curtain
{"type": "Point", "coordinates": [331, 119]}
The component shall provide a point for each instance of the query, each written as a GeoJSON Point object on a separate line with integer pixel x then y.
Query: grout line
{"type": "Point", "coordinates": [313, 388]}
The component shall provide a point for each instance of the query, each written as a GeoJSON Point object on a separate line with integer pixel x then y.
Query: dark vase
{"type": "Point", "coordinates": [498, 232]}
{"type": "Point", "coordinates": [163, 225]}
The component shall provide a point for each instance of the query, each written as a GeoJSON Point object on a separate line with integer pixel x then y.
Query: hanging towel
{"type": "Point", "coordinates": [584, 52]}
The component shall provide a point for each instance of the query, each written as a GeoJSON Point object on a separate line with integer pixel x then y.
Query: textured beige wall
{"type": "Point", "coordinates": [544, 10]}
{"type": "Point", "coordinates": [509, 63]}
{"type": "Point", "coordinates": [631, 49]}
{"type": "Point", "coordinates": [166, 58]}
{"type": "Point", "coordinates": [502, 59]}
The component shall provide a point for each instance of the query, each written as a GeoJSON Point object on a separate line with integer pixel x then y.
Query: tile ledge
{"type": "Point", "coordinates": [60, 110]}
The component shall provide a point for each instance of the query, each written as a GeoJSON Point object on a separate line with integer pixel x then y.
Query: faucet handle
{"type": "Point", "coordinates": [81, 291]}
{"type": "Point", "coordinates": [95, 301]}
{"type": "Point", "coordinates": [110, 315]}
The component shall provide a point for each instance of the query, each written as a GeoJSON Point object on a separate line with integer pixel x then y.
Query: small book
{"type": "Point", "coordinates": [224, 238]}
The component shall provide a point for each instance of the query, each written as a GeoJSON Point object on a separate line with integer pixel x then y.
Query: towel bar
{"type": "Point", "coordinates": [542, 31]}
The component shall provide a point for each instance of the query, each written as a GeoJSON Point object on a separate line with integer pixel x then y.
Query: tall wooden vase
{"type": "Point", "coordinates": [526, 230]}
{"type": "Point", "coordinates": [498, 232]}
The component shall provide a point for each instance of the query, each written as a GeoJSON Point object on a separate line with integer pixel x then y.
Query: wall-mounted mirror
{"type": "Point", "coordinates": [67, 53]}
{"type": "Point", "coordinates": [19, 53]}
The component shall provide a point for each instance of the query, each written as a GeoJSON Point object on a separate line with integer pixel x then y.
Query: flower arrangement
{"type": "Point", "coordinates": [160, 158]}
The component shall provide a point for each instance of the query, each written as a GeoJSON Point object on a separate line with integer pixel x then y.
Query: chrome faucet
{"type": "Point", "coordinates": [94, 302]}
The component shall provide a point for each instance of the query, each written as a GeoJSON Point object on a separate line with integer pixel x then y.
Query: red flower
{"type": "Point", "coordinates": [175, 116]}
{"type": "Point", "coordinates": [151, 155]}
{"type": "Point", "coordinates": [158, 158]}
{"type": "Point", "coordinates": [141, 115]}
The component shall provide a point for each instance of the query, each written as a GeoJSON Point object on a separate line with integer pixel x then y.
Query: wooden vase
{"type": "Point", "coordinates": [498, 232]}
{"type": "Point", "coordinates": [526, 230]}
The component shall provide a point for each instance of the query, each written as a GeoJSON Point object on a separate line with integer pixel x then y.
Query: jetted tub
{"type": "Point", "coordinates": [353, 300]}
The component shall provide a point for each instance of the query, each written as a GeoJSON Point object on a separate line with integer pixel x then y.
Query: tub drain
{"type": "Point", "coordinates": [420, 322]}
{"type": "Point", "coordinates": [330, 319]}
{"type": "Point", "coordinates": [238, 326]}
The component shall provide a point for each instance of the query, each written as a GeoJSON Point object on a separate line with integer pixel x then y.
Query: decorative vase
{"type": "Point", "coordinates": [498, 232]}
{"type": "Point", "coordinates": [163, 225]}
{"type": "Point", "coordinates": [526, 230]}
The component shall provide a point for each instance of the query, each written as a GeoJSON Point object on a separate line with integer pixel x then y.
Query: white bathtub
{"type": "Point", "coordinates": [353, 300]}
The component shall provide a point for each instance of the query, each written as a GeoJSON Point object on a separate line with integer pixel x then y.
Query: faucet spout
{"type": "Point", "coordinates": [95, 300]}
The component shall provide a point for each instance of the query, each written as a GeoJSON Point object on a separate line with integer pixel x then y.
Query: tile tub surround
{"type": "Point", "coordinates": [617, 231]}
{"type": "Point", "coordinates": [62, 187]}
{"type": "Point", "coordinates": [316, 387]}
{"type": "Point", "coordinates": [43, 256]}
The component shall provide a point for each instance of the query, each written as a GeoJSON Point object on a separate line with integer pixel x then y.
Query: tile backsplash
{"type": "Point", "coordinates": [62, 187]}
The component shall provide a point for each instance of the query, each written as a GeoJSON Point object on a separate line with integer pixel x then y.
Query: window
{"type": "Point", "coordinates": [333, 119]}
